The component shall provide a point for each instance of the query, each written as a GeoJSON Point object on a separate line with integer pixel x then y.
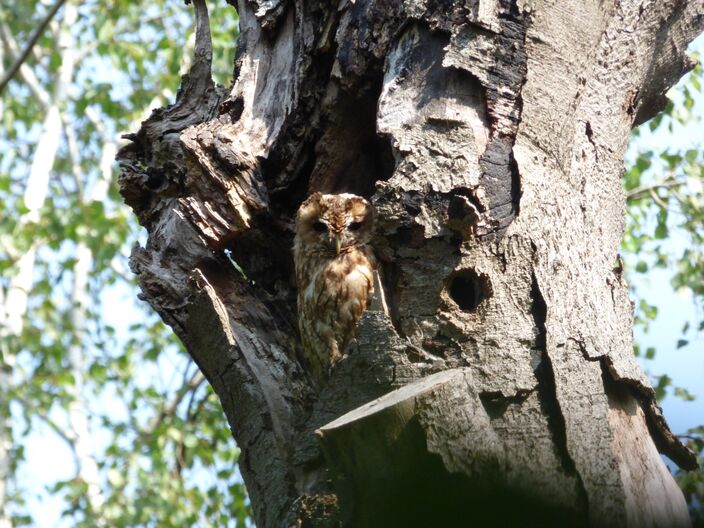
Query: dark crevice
{"type": "Point", "coordinates": [516, 191]}
{"type": "Point", "coordinates": [547, 395]}
{"type": "Point", "coordinates": [468, 289]}
{"type": "Point", "coordinates": [412, 202]}
{"type": "Point", "coordinates": [272, 269]}
{"type": "Point", "coordinates": [290, 197]}
{"type": "Point", "coordinates": [470, 195]}
{"type": "Point", "coordinates": [349, 161]}
{"type": "Point", "coordinates": [233, 107]}
{"type": "Point", "coordinates": [549, 404]}
{"type": "Point", "coordinates": [495, 403]}
{"type": "Point", "coordinates": [410, 236]}
{"type": "Point", "coordinates": [540, 313]}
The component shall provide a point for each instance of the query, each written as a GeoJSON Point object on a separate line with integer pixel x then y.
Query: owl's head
{"type": "Point", "coordinates": [333, 223]}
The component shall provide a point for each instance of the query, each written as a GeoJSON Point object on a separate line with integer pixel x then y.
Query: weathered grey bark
{"type": "Point", "coordinates": [490, 137]}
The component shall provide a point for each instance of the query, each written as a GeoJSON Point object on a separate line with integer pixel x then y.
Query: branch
{"type": "Point", "coordinates": [30, 44]}
{"type": "Point", "coordinates": [191, 385]}
{"type": "Point", "coordinates": [191, 412]}
{"type": "Point", "coordinates": [26, 72]}
{"type": "Point", "coordinates": [12, 254]}
{"type": "Point", "coordinates": [688, 437]}
{"type": "Point", "coordinates": [657, 199]}
{"type": "Point", "coordinates": [67, 436]}
{"type": "Point", "coordinates": [645, 190]}
{"type": "Point", "coordinates": [204, 44]}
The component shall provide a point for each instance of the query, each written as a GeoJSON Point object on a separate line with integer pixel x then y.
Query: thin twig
{"type": "Point", "coordinates": [10, 46]}
{"type": "Point", "coordinates": [657, 199]}
{"type": "Point", "coordinates": [191, 414]}
{"type": "Point", "coordinates": [641, 192]}
{"type": "Point", "coordinates": [30, 44]}
{"type": "Point", "coordinates": [679, 197]}
{"type": "Point", "coordinates": [688, 437]}
{"type": "Point", "coordinates": [170, 408]}
{"type": "Point", "coordinates": [66, 436]}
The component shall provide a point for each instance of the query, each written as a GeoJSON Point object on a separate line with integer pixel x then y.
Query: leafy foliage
{"type": "Point", "coordinates": [692, 483]}
{"type": "Point", "coordinates": [665, 192]}
{"type": "Point", "coordinates": [164, 453]}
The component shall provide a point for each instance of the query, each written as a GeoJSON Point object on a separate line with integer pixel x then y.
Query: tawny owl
{"type": "Point", "coordinates": [334, 272]}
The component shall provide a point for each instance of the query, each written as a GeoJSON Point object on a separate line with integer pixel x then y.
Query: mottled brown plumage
{"type": "Point", "coordinates": [334, 272]}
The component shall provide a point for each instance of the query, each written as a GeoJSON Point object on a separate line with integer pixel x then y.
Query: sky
{"type": "Point", "coordinates": [685, 365]}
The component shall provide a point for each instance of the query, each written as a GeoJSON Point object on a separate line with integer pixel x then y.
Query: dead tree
{"type": "Point", "coordinates": [501, 387]}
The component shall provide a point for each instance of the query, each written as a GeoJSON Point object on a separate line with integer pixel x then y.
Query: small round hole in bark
{"type": "Point", "coordinates": [468, 289]}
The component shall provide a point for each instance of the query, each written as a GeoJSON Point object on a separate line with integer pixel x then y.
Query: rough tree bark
{"type": "Point", "coordinates": [490, 136]}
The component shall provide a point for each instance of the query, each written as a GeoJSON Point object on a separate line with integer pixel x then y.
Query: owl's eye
{"type": "Point", "coordinates": [320, 227]}
{"type": "Point", "coordinates": [354, 226]}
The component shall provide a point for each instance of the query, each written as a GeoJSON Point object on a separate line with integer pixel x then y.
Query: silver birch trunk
{"type": "Point", "coordinates": [78, 411]}
{"type": "Point", "coordinates": [502, 388]}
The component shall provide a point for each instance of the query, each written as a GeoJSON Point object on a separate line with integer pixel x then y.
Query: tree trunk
{"type": "Point", "coordinates": [490, 138]}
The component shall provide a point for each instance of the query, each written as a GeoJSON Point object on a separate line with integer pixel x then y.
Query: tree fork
{"type": "Point", "coordinates": [490, 138]}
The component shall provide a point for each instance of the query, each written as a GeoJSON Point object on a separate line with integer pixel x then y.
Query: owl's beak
{"type": "Point", "coordinates": [338, 245]}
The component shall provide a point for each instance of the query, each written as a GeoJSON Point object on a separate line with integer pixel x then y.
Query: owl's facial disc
{"type": "Point", "coordinates": [332, 223]}
{"type": "Point", "coordinates": [353, 232]}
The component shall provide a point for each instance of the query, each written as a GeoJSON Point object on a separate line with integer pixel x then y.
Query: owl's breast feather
{"type": "Point", "coordinates": [359, 281]}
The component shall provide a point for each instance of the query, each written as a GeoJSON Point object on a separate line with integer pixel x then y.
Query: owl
{"type": "Point", "coordinates": [334, 273]}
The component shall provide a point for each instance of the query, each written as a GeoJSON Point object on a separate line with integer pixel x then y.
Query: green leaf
{"type": "Point", "coordinates": [661, 230]}
{"type": "Point", "coordinates": [106, 31]}
{"type": "Point", "coordinates": [663, 382]}
{"type": "Point", "coordinates": [684, 394]}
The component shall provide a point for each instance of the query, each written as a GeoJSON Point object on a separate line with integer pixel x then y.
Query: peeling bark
{"type": "Point", "coordinates": [490, 138]}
